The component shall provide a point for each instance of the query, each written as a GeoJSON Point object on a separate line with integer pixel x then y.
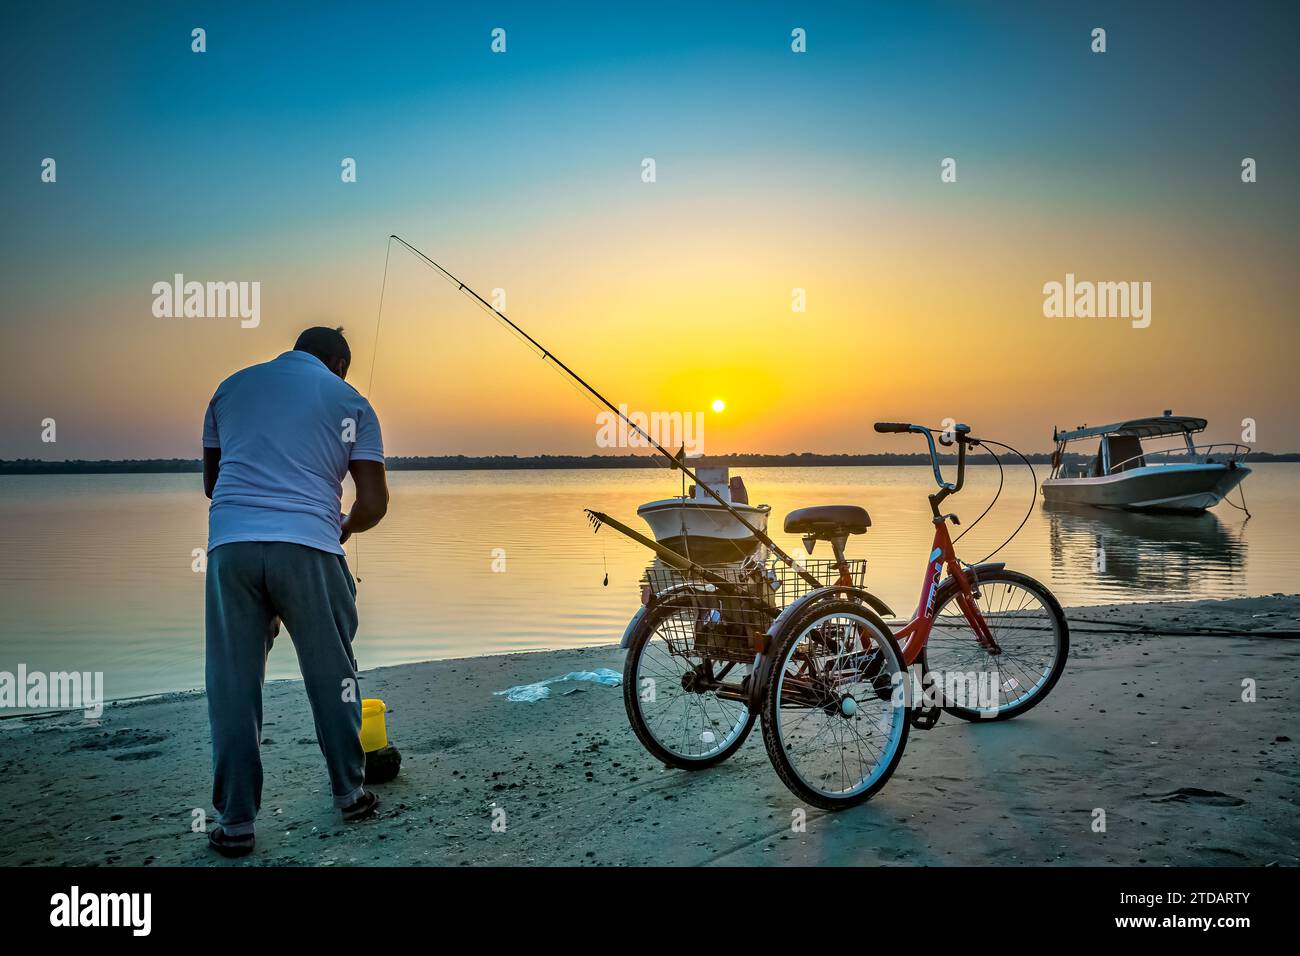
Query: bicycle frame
{"type": "Point", "coordinates": [912, 637]}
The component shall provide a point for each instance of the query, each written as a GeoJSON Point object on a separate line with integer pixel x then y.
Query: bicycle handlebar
{"type": "Point", "coordinates": [962, 438]}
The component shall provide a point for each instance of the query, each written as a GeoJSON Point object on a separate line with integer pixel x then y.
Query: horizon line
{"type": "Point", "coordinates": [504, 462]}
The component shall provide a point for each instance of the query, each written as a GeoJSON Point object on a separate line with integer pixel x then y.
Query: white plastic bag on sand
{"type": "Point", "coordinates": [526, 693]}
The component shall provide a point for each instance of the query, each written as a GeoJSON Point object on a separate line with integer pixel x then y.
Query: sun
{"type": "Point", "coordinates": [719, 405]}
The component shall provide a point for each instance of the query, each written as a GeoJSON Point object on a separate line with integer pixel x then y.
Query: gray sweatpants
{"type": "Point", "coordinates": [249, 584]}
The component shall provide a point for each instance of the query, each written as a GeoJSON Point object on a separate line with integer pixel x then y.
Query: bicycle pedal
{"type": "Point", "coordinates": [924, 718]}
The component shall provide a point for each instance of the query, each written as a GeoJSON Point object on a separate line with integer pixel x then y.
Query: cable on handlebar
{"type": "Point", "coordinates": [983, 442]}
{"type": "Point", "coordinates": [998, 494]}
{"type": "Point", "coordinates": [1032, 501]}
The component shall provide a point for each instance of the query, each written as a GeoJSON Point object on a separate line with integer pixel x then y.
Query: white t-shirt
{"type": "Point", "coordinates": [287, 430]}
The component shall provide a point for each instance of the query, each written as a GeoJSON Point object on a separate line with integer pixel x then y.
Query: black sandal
{"type": "Point", "coordinates": [363, 809]}
{"type": "Point", "coordinates": [231, 846]}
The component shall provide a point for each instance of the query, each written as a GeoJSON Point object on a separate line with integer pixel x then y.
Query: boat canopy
{"type": "Point", "coordinates": [1140, 428]}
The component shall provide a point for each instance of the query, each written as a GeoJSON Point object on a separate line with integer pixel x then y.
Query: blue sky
{"type": "Point", "coordinates": [227, 162]}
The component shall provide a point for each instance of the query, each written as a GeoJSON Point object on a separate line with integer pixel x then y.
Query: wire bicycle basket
{"type": "Point", "coordinates": [724, 616]}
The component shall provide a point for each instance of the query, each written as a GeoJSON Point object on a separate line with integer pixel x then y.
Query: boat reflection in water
{"type": "Point", "coordinates": [1196, 555]}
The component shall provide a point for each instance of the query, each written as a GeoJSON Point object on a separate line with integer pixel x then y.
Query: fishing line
{"type": "Point", "coordinates": [505, 325]}
{"type": "Point", "coordinates": [650, 442]}
{"type": "Point", "coordinates": [370, 381]}
{"type": "Point", "coordinates": [383, 286]}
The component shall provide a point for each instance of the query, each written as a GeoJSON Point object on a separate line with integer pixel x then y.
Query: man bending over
{"type": "Point", "coordinates": [277, 440]}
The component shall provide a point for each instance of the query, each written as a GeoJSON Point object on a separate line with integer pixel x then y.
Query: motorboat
{"type": "Point", "coordinates": [697, 526]}
{"type": "Point", "coordinates": [1126, 474]}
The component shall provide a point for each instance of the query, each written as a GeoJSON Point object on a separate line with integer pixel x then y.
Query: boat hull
{"type": "Point", "coordinates": [1189, 488]}
{"type": "Point", "coordinates": [703, 529]}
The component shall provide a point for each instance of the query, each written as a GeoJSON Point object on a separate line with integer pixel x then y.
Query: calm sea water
{"type": "Point", "coordinates": [95, 570]}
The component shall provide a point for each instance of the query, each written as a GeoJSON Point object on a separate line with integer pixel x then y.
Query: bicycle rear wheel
{"type": "Point", "coordinates": [1029, 627]}
{"type": "Point", "coordinates": [671, 695]}
{"type": "Point", "coordinates": [835, 716]}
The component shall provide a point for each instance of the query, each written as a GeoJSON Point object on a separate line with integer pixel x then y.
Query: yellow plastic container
{"type": "Point", "coordinates": [374, 732]}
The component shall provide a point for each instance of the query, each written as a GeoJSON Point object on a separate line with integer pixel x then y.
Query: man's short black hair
{"type": "Point", "coordinates": [328, 345]}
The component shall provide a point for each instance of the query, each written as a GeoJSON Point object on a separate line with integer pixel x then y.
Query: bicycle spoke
{"type": "Point", "coordinates": [836, 748]}
{"type": "Point", "coordinates": [687, 721]}
{"type": "Point", "coordinates": [1024, 629]}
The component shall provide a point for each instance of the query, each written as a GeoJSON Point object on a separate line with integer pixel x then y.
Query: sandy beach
{"type": "Point", "coordinates": [1151, 728]}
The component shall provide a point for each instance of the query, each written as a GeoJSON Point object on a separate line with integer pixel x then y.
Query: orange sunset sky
{"type": "Point", "coordinates": [775, 171]}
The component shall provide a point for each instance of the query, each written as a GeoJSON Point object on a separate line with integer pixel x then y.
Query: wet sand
{"type": "Point", "coordinates": [1150, 728]}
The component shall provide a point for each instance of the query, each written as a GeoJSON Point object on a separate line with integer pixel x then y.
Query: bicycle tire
{"type": "Point", "coordinates": [1062, 628]}
{"type": "Point", "coordinates": [777, 749]}
{"type": "Point", "coordinates": [640, 726]}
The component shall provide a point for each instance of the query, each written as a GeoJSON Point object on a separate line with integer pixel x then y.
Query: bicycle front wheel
{"type": "Point", "coordinates": [1029, 627]}
{"type": "Point", "coordinates": [835, 712]}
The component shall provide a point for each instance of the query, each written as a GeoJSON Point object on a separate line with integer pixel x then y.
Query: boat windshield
{"type": "Point", "coordinates": [1116, 454]}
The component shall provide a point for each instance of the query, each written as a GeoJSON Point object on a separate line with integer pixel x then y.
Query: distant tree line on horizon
{"type": "Point", "coordinates": [36, 466]}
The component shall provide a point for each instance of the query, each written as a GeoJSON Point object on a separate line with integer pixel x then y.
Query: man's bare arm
{"type": "Point", "coordinates": [372, 497]}
{"type": "Point", "coordinates": [211, 466]}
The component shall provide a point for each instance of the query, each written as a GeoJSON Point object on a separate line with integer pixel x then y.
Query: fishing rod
{"type": "Point", "coordinates": [676, 462]}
